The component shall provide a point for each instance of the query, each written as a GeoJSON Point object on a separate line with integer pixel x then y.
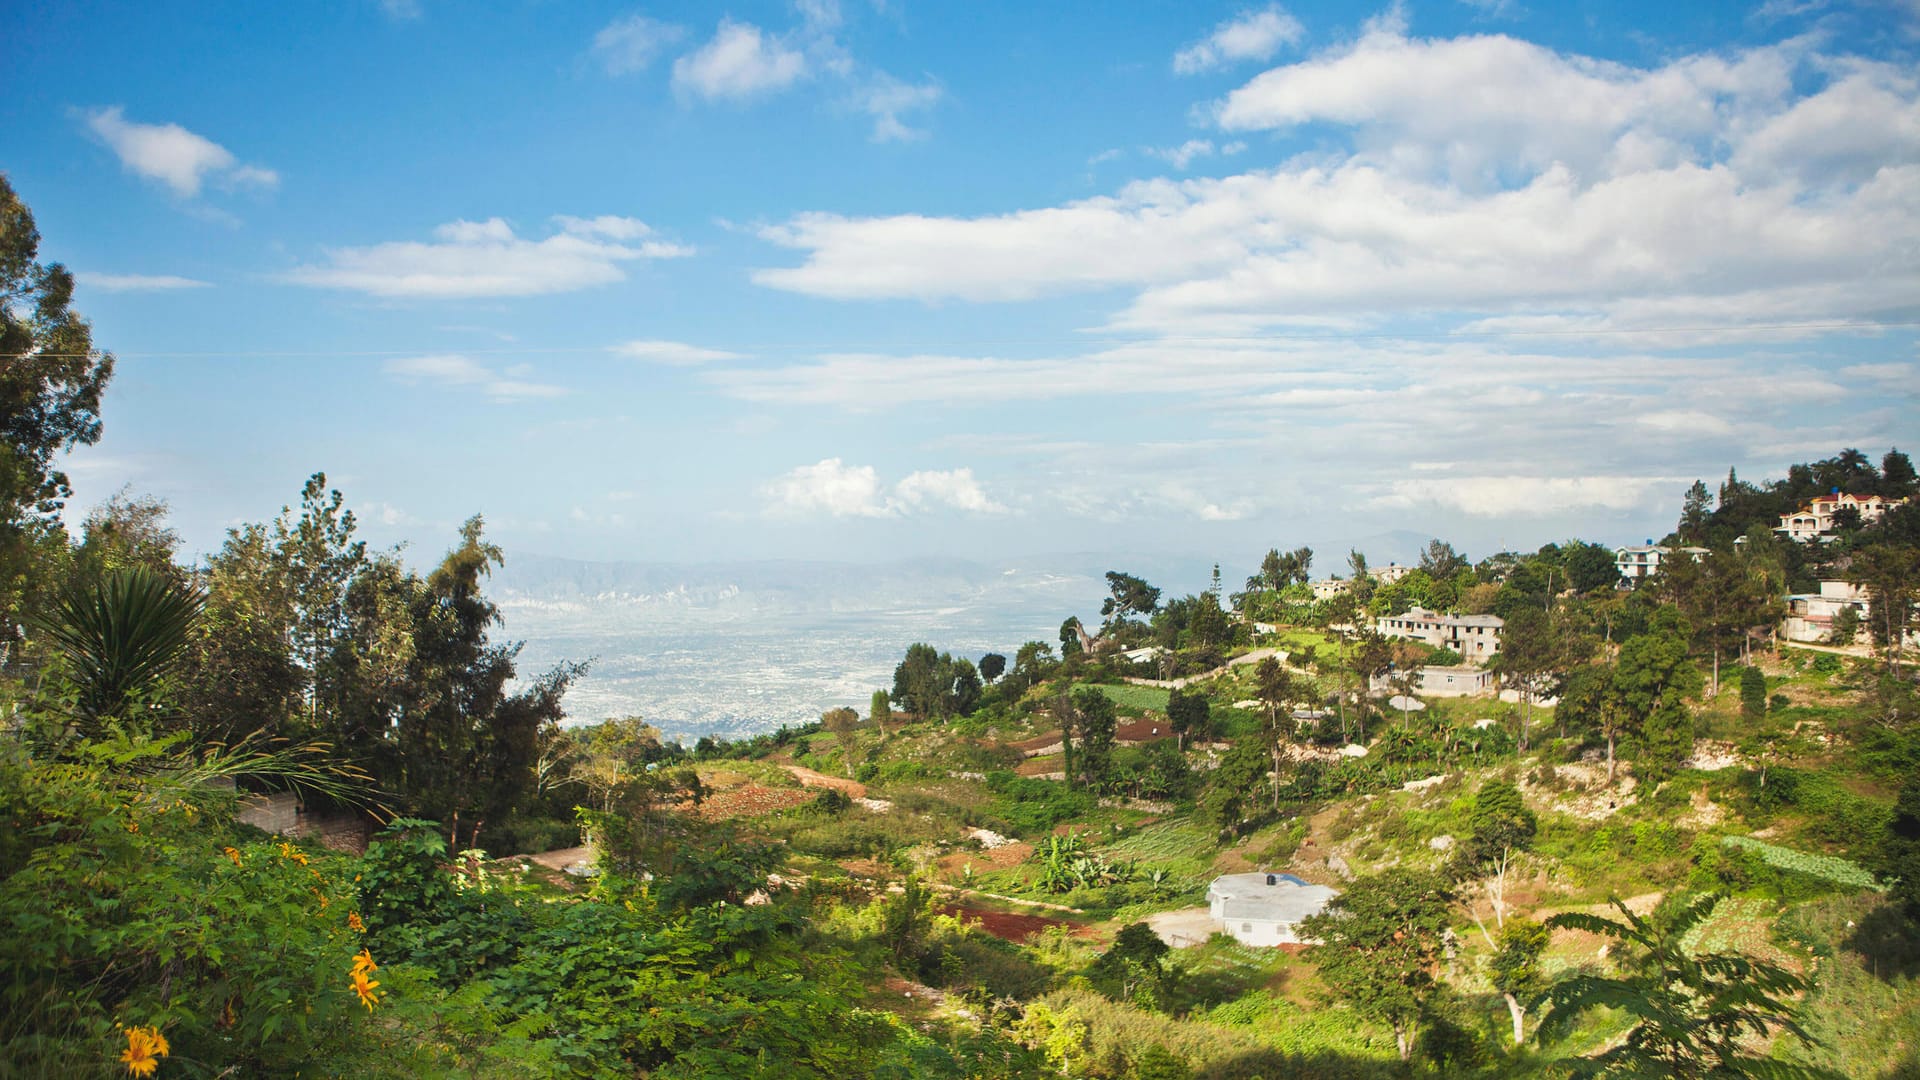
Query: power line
{"type": "Point", "coordinates": [1178, 339]}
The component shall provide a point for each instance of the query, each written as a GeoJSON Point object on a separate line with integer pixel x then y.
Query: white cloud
{"type": "Point", "coordinates": [452, 369]}
{"type": "Point", "coordinates": [740, 63]}
{"type": "Point", "coordinates": [401, 10]}
{"type": "Point", "coordinates": [632, 43]}
{"type": "Point", "coordinates": [954, 487]}
{"type": "Point", "coordinates": [830, 487]}
{"type": "Point", "coordinates": [1524, 496]}
{"type": "Point", "coordinates": [136, 282]}
{"type": "Point", "coordinates": [172, 155]}
{"type": "Point", "coordinates": [886, 98]}
{"type": "Point", "coordinates": [673, 352]}
{"type": "Point", "coordinates": [1684, 421]}
{"type": "Point", "coordinates": [487, 258]}
{"type": "Point", "coordinates": [1181, 156]}
{"type": "Point", "coordinates": [837, 489]}
{"type": "Point", "coordinates": [1254, 35]}
{"type": "Point", "coordinates": [1488, 178]}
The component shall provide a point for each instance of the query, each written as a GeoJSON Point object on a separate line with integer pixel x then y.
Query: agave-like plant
{"type": "Point", "coordinates": [120, 636]}
{"type": "Point", "coordinates": [1695, 1016]}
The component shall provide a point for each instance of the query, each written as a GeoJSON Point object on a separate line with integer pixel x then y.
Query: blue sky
{"type": "Point", "coordinates": [879, 280]}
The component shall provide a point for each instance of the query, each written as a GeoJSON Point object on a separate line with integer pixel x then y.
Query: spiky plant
{"type": "Point", "coordinates": [1694, 1016]}
{"type": "Point", "coordinates": [120, 638]}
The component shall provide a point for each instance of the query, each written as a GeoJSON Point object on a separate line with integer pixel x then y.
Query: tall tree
{"type": "Point", "coordinates": [1653, 678]}
{"type": "Point", "coordinates": [1189, 714]}
{"type": "Point", "coordinates": [992, 666]}
{"type": "Point", "coordinates": [1127, 595]}
{"type": "Point", "coordinates": [841, 724]}
{"type": "Point", "coordinates": [1380, 941]}
{"type": "Point", "coordinates": [1891, 577]}
{"type": "Point", "coordinates": [1694, 510]}
{"type": "Point", "coordinates": [1097, 722]}
{"type": "Point", "coordinates": [1531, 659]}
{"type": "Point", "coordinates": [51, 380]}
{"type": "Point", "coordinates": [1275, 689]}
{"type": "Point", "coordinates": [1441, 561]}
{"type": "Point", "coordinates": [881, 710]}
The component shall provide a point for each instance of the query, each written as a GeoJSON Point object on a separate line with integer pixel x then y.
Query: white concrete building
{"type": "Point", "coordinates": [1331, 587]}
{"type": "Point", "coordinates": [1265, 909]}
{"type": "Point", "coordinates": [1475, 637]}
{"type": "Point", "coordinates": [1810, 615]}
{"type": "Point", "coordinates": [1390, 573]}
{"type": "Point", "coordinates": [1640, 561]}
{"type": "Point", "coordinates": [1462, 681]}
{"type": "Point", "coordinates": [1815, 520]}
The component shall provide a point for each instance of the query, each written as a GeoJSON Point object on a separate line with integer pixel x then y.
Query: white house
{"type": "Point", "coordinates": [1264, 909]}
{"type": "Point", "coordinates": [1476, 637]}
{"type": "Point", "coordinates": [1329, 588]}
{"type": "Point", "coordinates": [1462, 681]}
{"type": "Point", "coordinates": [1814, 521]}
{"type": "Point", "coordinates": [1810, 615]}
{"type": "Point", "coordinates": [1390, 573]}
{"type": "Point", "coordinates": [1639, 561]}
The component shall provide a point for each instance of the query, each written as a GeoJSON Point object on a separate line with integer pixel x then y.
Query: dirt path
{"type": "Point", "coordinates": [1253, 657]}
{"type": "Point", "coordinates": [958, 891]}
{"type": "Point", "coordinates": [563, 858]}
{"type": "Point", "coordinates": [853, 788]}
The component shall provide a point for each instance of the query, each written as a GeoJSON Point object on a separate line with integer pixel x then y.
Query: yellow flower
{"type": "Point", "coordinates": [365, 988]}
{"type": "Point", "coordinates": [363, 961]}
{"type": "Point", "coordinates": [287, 852]}
{"type": "Point", "coordinates": [354, 923]}
{"type": "Point", "coordinates": [145, 1047]}
{"type": "Point", "coordinates": [232, 853]}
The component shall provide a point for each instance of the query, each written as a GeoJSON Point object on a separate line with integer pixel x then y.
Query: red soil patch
{"type": "Point", "coordinates": [1040, 766]}
{"type": "Point", "coordinates": [1038, 742]}
{"type": "Point", "coordinates": [1143, 731]}
{"type": "Point", "coordinates": [1000, 858]}
{"type": "Point", "coordinates": [751, 800]}
{"type": "Point", "coordinates": [1005, 925]}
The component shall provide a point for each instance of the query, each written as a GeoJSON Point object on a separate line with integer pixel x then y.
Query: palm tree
{"type": "Point", "coordinates": [120, 638]}
{"type": "Point", "coordinates": [1691, 1013]}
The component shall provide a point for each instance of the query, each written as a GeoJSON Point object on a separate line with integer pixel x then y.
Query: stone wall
{"type": "Point", "coordinates": [282, 813]}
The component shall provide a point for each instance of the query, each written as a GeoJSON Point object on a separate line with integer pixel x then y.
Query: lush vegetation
{"type": "Point", "coordinates": [1681, 849]}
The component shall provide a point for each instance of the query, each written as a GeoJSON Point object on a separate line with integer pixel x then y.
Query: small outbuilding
{"type": "Point", "coordinates": [1265, 909]}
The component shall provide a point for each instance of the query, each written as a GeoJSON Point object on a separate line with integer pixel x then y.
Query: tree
{"type": "Point", "coordinates": [1531, 658]}
{"type": "Point", "coordinates": [1441, 561]}
{"type": "Point", "coordinates": [1379, 943]}
{"type": "Point", "coordinates": [1753, 692]}
{"type": "Point", "coordinates": [881, 710]}
{"type": "Point", "coordinates": [1891, 577]}
{"type": "Point", "coordinates": [1133, 968]}
{"type": "Point", "coordinates": [841, 724]}
{"type": "Point", "coordinates": [1242, 768]}
{"type": "Point", "coordinates": [1590, 566]}
{"type": "Point", "coordinates": [1031, 664]}
{"type": "Point", "coordinates": [1275, 689]}
{"type": "Point", "coordinates": [1502, 824]}
{"type": "Point", "coordinates": [318, 557]}
{"type": "Point", "coordinates": [1516, 969]}
{"type": "Point", "coordinates": [1096, 720]}
{"type": "Point", "coordinates": [51, 380]}
{"type": "Point", "coordinates": [1694, 509]}
{"type": "Point", "coordinates": [1593, 701]}
{"type": "Point", "coordinates": [1189, 714]}
{"type": "Point", "coordinates": [916, 682]}
{"type": "Point", "coordinates": [1692, 1015]}
{"type": "Point", "coordinates": [1653, 677]}
{"type": "Point", "coordinates": [992, 666]}
{"type": "Point", "coordinates": [1900, 850]}
{"type": "Point", "coordinates": [127, 530]}
{"type": "Point", "coordinates": [1129, 595]}
{"type": "Point", "coordinates": [1897, 475]}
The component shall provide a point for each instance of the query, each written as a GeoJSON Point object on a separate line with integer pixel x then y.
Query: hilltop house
{"type": "Point", "coordinates": [1637, 562]}
{"type": "Point", "coordinates": [1815, 521]}
{"type": "Point", "coordinates": [1810, 615]}
{"type": "Point", "coordinates": [1329, 588]}
{"type": "Point", "coordinates": [1390, 573]}
{"type": "Point", "coordinates": [1264, 909]}
{"type": "Point", "coordinates": [1476, 637]}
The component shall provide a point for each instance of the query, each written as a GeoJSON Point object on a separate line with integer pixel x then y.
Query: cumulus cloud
{"type": "Point", "coordinates": [632, 43]}
{"type": "Point", "coordinates": [487, 258]}
{"type": "Point", "coordinates": [673, 352]}
{"type": "Point", "coordinates": [1253, 35]}
{"type": "Point", "coordinates": [741, 62]}
{"type": "Point", "coordinates": [836, 489]}
{"type": "Point", "coordinates": [1181, 156]}
{"type": "Point", "coordinates": [172, 155]}
{"type": "Point", "coordinates": [136, 282]}
{"type": "Point", "coordinates": [454, 370]}
{"type": "Point", "coordinates": [1485, 178]}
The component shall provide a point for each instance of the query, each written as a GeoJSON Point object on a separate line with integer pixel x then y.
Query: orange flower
{"type": "Point", "coordinates": [364, 986]}
{"type": "Point", "coordinates": [145, 1047]}
{"type": "Point", "coordinates": [363, 961]}
{"type": "Point", "coordinates": [232, 853]}
{"type": "Point", "coordinates": [287, 852]}
{"type": "Point", "coordinates": [354, 923]}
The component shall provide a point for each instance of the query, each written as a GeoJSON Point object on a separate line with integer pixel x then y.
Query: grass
{"type": "Point", "coordinates": [1135, 699]}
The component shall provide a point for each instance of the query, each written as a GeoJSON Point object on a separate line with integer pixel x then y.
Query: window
{"type": "Point", "coordinates": [1246, 928]}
